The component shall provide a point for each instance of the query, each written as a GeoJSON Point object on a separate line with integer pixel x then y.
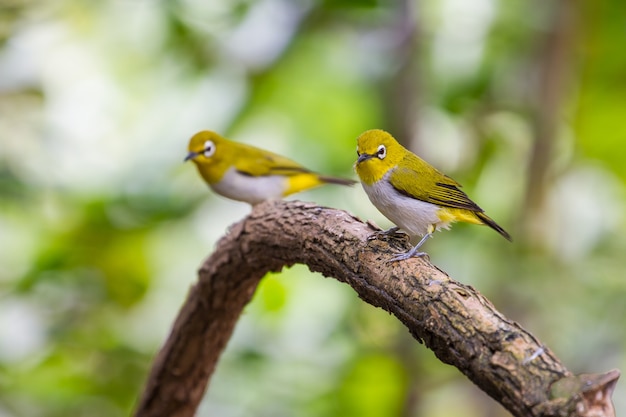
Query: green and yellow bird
{"type": "Point", "coordinates": [246, 173]}
{"type": "Point", "coordinates": [410, 192]}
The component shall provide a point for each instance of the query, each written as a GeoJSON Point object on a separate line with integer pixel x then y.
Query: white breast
{"type": "Point", "coordinates": [411, 215]}
{"type": "Point", "coordinates": [253, 190]}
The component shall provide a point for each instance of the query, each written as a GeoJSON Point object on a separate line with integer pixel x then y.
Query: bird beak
{"type": "Point", "coordinates": [191, 155]}
{"type": "Point", "coordinates": [364, 157]}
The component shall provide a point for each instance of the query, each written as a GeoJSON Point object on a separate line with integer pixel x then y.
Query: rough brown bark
{"type": "Point", "coordinates": [461, 326]}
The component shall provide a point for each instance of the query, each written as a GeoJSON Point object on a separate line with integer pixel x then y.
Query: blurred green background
{"type": "Point", "coordinates": [102, 227]}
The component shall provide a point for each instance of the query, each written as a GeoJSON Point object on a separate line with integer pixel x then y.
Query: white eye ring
{"type": "Point", "coordinates": [382, 152]}
{"type": "Point", "coordinates": [209, 149]}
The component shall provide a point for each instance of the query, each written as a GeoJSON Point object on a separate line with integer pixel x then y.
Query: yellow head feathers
{"type": "Point", "coordinates": [378, 152]}
{"type": "Point", "coordinates": [204, 145]}
{"type": "Point", "coordinates": [211, 153]}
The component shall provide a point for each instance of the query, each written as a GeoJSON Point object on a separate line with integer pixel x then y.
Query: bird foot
{"type": "Point", "coordinates": [406, 255]}
{"type": "Point", "coordinates": [386, 233]}
{"type": "Point", "coordinates": [413, 252]}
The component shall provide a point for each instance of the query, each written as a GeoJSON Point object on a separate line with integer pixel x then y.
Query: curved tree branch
{"type": "Point", "coordinates": [460, 325]}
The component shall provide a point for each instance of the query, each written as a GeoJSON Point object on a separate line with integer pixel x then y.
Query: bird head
{"type": "Point", "coordinates": [203, 147]}
{"type": "Point", "coordinates": [211, 153]}
{"type": "Point", "coordinates": [378, 152]}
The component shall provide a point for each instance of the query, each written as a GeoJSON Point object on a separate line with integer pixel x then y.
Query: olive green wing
{"type": "Point", "coordinates": [415, 178]}
{"type": "Point", "coordinates": [257, 162]}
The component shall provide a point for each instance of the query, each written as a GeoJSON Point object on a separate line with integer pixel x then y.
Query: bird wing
{"type": "Point", "coordinates": [257, 162]}
{"type": "Point", "coordinates": [417, 179]}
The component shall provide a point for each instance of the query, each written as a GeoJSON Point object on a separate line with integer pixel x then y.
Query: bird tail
{"type": "Point", "coordinates": [495, 226]}
{"type": "Point", "coordinates": [335, 180]}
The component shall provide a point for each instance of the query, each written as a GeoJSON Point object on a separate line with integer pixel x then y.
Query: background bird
{"type": "Point", "coordinates": [246, 173]}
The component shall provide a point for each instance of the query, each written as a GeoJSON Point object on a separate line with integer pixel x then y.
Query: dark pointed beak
{"type": "Point", "coordinates": [191, 155]}
{"type": "Point", "coordinates": [364, 157]}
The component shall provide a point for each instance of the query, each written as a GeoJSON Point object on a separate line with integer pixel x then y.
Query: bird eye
{"type": "Point", "coordinates": [209, 148]}
{"type": "Point", "coordinates": [382, 152]}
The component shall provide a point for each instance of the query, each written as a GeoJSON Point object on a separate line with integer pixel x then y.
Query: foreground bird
{"type": "Point", "coordinates": [410, 192]}
{"type": "Point", "coordinates": [245, 173]}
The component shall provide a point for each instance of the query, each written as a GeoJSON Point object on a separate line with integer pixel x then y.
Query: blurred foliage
{"type": "Point", "coordinates": [102, 227]}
